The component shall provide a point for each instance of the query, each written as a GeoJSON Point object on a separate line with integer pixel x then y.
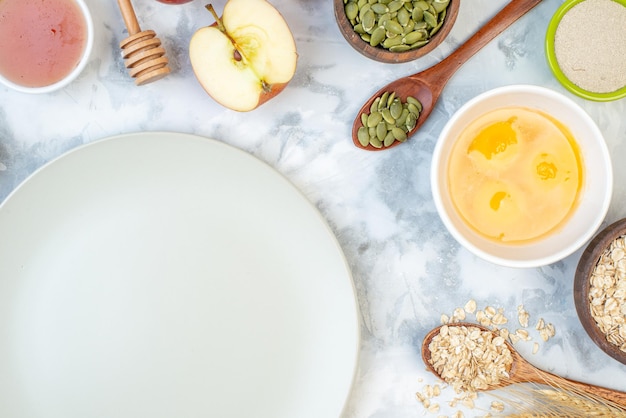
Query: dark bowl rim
{"type": "Point", "coordinates": [586, 264]}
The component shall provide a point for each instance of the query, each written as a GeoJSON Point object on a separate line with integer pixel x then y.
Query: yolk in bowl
{"type": "Point", "coordinates": [515, 174]}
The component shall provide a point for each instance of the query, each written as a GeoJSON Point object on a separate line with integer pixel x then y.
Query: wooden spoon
{"type": "Point", "coordinates": [427, 85]}
{"type": "Point", "coordinates": [142, 52]}
{"type": "Point", "coordinates": [523, 372]}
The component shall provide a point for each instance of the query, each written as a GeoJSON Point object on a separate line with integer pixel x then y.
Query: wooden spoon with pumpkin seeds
{"type": "Point", "coordinates": [426, 86]}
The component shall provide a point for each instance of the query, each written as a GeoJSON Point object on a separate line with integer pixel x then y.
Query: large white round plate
{"type": "Point", "coordinates": [168, 275]}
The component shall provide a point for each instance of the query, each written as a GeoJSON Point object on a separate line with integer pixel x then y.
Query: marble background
{"type": "Point", "coordinates": [407, 268]}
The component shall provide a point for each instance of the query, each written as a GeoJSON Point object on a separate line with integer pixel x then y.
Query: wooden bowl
{"type": "Point", "coordinates": [383, 55]}
{"type": "Point", "coordinates": [586, 265]}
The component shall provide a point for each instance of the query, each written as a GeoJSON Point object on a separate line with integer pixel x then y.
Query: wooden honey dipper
{"type": "Point", "coordinates": [142, 51]}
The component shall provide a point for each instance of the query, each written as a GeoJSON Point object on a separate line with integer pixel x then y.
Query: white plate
{"type": "Point", "coordinates": [168, 275]}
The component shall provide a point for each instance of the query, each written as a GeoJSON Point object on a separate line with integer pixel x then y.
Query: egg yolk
{"type": "Point", "coordinates": [515, 174]}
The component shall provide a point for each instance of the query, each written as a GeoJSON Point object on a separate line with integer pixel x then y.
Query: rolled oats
{"type": "Point", "coordinates": [469, 358]}
{"type": "Point", "coordinates": [470, 306]}
{"type": "Point", "coordinates": [522, 316]}
{"type": "Point", "coordinates": [497, 406]}
{"type": "Point", "coordinates": [494, 319]}
{"type": "Point", "coordinates": [607, 292]}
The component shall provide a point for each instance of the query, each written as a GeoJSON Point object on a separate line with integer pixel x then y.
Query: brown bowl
{"type": "Point", "coordinates": [383, 55]}
{"type": "Point", "coordinates": [586, 265]}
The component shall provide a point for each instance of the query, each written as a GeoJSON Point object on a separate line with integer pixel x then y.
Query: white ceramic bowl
{"type": "Point", "coordinates": [596, 191]}
{"type": "Point", "coordinates": [74, 73]}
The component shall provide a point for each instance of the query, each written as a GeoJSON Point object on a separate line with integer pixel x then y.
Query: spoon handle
{"type": "Point", "coordinates": [502, 20]}
{"type": "Point", "coordinates": [555, 381]}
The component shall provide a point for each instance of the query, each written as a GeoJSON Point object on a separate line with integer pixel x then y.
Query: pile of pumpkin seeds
{"type": "Point", "coordinates": [390, 120]}
{"type": "Point", "coordinates": [396, 25]}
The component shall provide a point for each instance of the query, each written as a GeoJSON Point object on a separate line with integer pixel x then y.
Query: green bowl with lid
{"type": "Point", "coordinates": [554, 64]}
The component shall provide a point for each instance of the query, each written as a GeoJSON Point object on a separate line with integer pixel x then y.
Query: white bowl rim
{"type": "Point", "coordinates": [84, 59]}
{"type": "Point", "coordinates": [571, 247]}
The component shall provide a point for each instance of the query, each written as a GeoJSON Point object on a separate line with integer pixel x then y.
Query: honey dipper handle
{"type": "Point", "coordinates": [130, 19]}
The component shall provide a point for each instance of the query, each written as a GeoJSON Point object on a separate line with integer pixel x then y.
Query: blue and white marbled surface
{"type": "Point", "coordinates": [407, 269]}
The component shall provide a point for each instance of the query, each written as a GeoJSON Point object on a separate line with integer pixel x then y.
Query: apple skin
{"type": "Point", "coordinates": [249, 64]}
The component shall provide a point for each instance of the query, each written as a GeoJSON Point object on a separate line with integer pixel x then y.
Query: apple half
{"type": "Point", "coordinates": [247, 57]}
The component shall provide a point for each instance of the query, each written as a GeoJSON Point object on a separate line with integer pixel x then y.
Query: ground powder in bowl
{"type": "Point", "coordinates": [590, 45]}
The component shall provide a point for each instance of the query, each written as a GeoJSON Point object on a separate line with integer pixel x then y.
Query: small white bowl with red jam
{"type": "Point", "coordinates": [521, 176]}
{"type": "Point", "coordinates": [44, 46]}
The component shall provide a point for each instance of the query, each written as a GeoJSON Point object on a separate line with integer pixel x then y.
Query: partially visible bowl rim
{"type": "Point", "coordinates": [446, 219]}
{"type": "Point", "coordinates": [84, 59]}
{"type": "Point", "coordinates": [586, 264]}
{"type": "Point", "coordinates": [556, 69]}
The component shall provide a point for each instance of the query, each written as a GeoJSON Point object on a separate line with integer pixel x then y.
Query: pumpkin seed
{"type": "Point", "coordinates": [398, 134]}
{"type": "Point", "coordinates": [374, 106]}
{"type": "Point", "coordinates": [400, 48]}
{"type": "Point", "coordinates": [393, 27]}
{"type": "Point", "coordinates": [369, 20]}
{"type": "Point", "coordinates": [377, 36]}
{"type": "Point", "coordinates": [408, 28]}
{"type": "Point", "coordinates": [387, 116]}
{"type": "Point", "coordinates": [422, 5]}
{"type": "Point", "coordinates": [401, 121]}
{"type": "Point", "coordinates": [391, 42]}
{"type": "Point", "coordinates": [434, 30]}
{"type": "Point", "coordinates": [390, 138]}
{"type": "Point", "coordinates": [352, 11]}
{"type": "Point", "coordinates": [412, 100]}
{"type": "Point", "coordinates": [413, 109]}
{"type": "Point", "coordinates": [390, 120]}
{"type": "Point", "coordinates": [362, 10]}
{"type": "Point", "coordinates": [396, 109]}
{"type": "Point", "coordinates": [380, 8]}
{"type": "Point", "coordinates": [421, 25]}
{"type": "Point", "coordinates": [418, 14]}
{"type": "Point", "coordinates": [382, 19]}
{"type": "Point", "coordinates": [379, 21]}
{"type": "Point", "coordinates": [395, 5]}
{"type": "Point", "coordinates": [430, 19]}
{"type": "Point", "coordinates": [440, 5]}
{"type": "Point", "coordinates": [411, 121]}
{"type": "Point", "coordinates": [383, 100]}
{"type": "Point", "coordinates": [419, 44]}
{"type": "Point", "coordinates": [403, 17]}
{"type": "Point", "coordinates": [375, 142]}
{"type": "Point", "coordinates": [363, 136]}
{"type": "Point", "coordinates": [374, 119]}
{"type": "Point", "coordinates": [381, 131]}
{"type": "Point", "coordinates": [411, 38]}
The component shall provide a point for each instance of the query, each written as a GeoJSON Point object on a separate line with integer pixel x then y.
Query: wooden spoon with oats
{"type": "Point", "coordinates": [474, 358]}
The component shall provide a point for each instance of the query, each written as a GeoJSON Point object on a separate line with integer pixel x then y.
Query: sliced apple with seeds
{"type": "Point", "coordinates": [247, 57]}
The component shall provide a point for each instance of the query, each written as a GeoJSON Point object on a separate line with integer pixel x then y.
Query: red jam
{"type": "Point", "coordinates": [41, 41]}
